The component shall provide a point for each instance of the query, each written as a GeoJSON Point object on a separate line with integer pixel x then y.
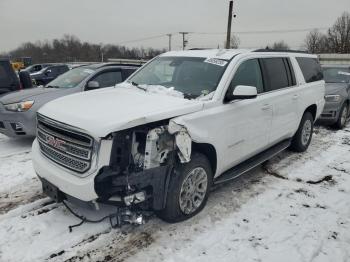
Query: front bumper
{"type": "Point", "coordinates": [80, 188]}
{"type": "Point", "coordinates": [330, 113]}
{"type": "Point", "coordinates": [17, 124]}
{"type": "Point", "coordinates": [105, 186]}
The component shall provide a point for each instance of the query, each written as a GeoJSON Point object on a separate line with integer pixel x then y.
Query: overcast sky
{"type": "Point", "coordinates": [118, 21]}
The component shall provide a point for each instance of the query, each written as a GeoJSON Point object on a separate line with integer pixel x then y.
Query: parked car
{"type": "Point", "coordinates": [8, 79]}
{"type": "Point", "coordinates": [336, 110]}
{"type": "Point", "coordinates": [185, 121]}
{"type": "Point", "coordinates": [36, 68]}
{"type": "Point", "coordinates": [18, 110]}
{"type": "Point", "coordinates": [47, 74]}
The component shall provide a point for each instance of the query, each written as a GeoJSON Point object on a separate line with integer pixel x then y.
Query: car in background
{"type": "Point", "coordinates": [18, 109]}
{"type": "Point", "coordinates": [48, 74]}
{"type": "Point", "coordinates": [36, 68]}
{"type": "Point", "coordinates": [8, 79]}
{"type": "Point", "coordinates": [336, 110]}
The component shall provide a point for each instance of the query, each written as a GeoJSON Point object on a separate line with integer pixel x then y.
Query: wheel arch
{"type": "Point", "coordinates": [313, 110]}
{"type": "Point", "coordinates": [209, 151]}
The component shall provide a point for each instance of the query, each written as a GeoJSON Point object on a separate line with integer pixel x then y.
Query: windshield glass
{"type": "Point", "coordinates": [336, 75]}
{"type": "Point", "coordinates": [71, 78]}
{"type": "Point", "coordinates": [192, 76]}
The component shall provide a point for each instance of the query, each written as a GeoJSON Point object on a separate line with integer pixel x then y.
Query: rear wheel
{"type": "Point", "coordinates": [343, 116]}
{"type": "Point", "coordinates": [303, 136]}
{"type": "Point", "coordinates": [188, 189]}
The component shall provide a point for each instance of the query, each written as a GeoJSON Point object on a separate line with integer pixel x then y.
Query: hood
{"type": "Point", "coordinates": [335, 88]}
{"type": "Point", "coordinates": [104, 111]}
{"type": "Point", "coordinates": [26, 94]}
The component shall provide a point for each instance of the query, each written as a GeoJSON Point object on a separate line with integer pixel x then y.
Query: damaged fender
{"type": "Point", "coordinates": [183, 141]}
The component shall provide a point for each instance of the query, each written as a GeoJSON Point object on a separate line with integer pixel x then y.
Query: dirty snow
{"type": "Point", "coordinates": [295, 207]}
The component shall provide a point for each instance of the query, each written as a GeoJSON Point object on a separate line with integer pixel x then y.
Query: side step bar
{"type": "Point", "coordinates": [249, 164]}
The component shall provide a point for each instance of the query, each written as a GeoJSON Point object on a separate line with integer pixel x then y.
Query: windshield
{"type": "Point", "coordinates": [336, 75]}
{"type": "Point", "coordinates": [192, 76]}
{"type": "Point", "coordinates": [71, 78]}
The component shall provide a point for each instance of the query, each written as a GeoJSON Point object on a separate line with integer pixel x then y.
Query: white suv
{"type": "Point", "coordinates": [183, 122]}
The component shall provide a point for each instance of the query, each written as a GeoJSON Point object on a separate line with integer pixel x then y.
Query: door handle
{"type": "Point", "coordinates": [266, 107]}
{"type": "Point", "coordinates": [295, 97]}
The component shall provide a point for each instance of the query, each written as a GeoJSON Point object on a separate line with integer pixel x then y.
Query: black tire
{"type": "Point", "coordinates": [340, 122]}
{"type": "Point", "coordinates": [299, 143]}
{"type": "Point", "coordinates": [172, 213]}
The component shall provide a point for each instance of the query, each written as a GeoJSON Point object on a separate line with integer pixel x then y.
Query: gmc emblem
{"type": "Point", "coordinates": [55, 142]}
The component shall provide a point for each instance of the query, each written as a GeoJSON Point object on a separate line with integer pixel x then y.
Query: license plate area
{"type": "Point", "coordinates": [52, 191]}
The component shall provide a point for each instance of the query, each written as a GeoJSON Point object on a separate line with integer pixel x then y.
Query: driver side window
{"type": "Point", "coordinates": [108, 79]}
{"type": "Point", "coordinates": [248, 74]}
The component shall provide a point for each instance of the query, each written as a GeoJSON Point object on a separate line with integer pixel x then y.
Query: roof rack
{"type": "Point", "coordinates": [282, 51]}
{"type": "Point", "coordinates": [127, 61]}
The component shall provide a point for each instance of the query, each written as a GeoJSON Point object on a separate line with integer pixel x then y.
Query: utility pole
{"type": "Point", "coordinates": [169, 35]}
{"type": "Point", "coordinates": [228, 38]}
{"type": "Point", "coordinates": [184, 41]}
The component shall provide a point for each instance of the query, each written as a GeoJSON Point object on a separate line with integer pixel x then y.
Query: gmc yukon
{"type": "Point", "coordinates": [183, 122]}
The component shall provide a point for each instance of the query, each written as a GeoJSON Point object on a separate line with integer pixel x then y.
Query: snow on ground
{"type": "Point", "coordinates": [295, 207]}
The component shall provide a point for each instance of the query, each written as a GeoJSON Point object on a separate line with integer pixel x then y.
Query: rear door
{"type": "Point", "coordinates": [280, 86]}
{"type": "Point", "coordinates": [8, 79]}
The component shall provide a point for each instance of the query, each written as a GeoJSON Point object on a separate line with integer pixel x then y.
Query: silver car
{"type": "Point", "coordinates": [336, 110]}
{"type": "Point", "coordinates": [18, 109]}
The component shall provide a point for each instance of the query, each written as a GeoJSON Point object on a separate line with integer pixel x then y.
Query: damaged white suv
{"type": "Point", "coordinates": [183, 122]}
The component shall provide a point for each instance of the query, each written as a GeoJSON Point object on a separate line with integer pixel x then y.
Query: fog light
{"type": "Point", "coordinates": [17, 127]}
{"type": "Point", "coordinates": [135, 198]}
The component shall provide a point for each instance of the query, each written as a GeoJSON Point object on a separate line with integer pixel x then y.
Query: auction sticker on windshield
{"type": "Point", "coordinates": [215, 61]}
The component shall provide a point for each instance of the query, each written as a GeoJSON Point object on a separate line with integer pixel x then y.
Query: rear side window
{"type": "Point", "coordinates": [311, 69]}
{"type": "Point", "coordinates": [276, 73]}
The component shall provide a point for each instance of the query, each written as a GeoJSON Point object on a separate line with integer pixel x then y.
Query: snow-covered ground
{"type": "Point", "coordinates": [296, 207]}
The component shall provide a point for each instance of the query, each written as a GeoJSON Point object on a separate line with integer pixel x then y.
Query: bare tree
{"type": "Point", "coordinates": [281, 45]}
{"type": "Point", "coordinates": [316, 42]}
{"type": "Point", "coordinates": [234, 42]}
{"type": "Point", "coordinates": [339, 35]}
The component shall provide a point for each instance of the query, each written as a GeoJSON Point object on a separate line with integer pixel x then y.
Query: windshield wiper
{"type": "Point", "coordinates": [52, 86]}
{"type": "Point", "coordinates": [138, 86]}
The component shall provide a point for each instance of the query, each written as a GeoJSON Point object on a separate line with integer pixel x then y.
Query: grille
{"type": "Point", "coordinates": [66, 147]}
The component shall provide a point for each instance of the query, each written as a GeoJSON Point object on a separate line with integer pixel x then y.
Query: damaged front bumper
{"type": "Point", "coordinates": [149, 186]}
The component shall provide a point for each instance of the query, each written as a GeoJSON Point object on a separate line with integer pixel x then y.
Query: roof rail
{"type": "Point", "coordinates": [127, 61]}
{"type": "Point", "coordinates": [283, 51]}
{"type": "Point", "coordinates": [200, 48]}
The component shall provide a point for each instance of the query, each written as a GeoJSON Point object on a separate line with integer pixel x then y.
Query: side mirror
{"type": "Point", "coordinates": [92, 85]}
{"type": "Point", "coordinates": [242, 92]}
{"type": "Point", "coordinates": [48, 71]}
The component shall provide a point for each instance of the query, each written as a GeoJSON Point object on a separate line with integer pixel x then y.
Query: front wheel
{"type": "Point", "coordinates": [302, 137]}
{"type": "Point", "coordinates": [343, 117]}
{"type": "Point", "coordinates": [188, 189]}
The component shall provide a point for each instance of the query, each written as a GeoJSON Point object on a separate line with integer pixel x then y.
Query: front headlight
{"type": "Point", "coordinates": [20, 106]}
{"type": "Point", "coordinates": [332, 98]}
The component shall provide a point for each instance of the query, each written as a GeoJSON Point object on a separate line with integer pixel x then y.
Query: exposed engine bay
{"type": "Point", "coordinates": [141, 161]}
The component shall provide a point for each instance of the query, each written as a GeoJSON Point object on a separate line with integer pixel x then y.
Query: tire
{"type": "Point", "coordinates": [303, 136]}
{"type": "Point", "coordinates": [343, 117]}
{"type": "Point", "coordinates": [175, 212]}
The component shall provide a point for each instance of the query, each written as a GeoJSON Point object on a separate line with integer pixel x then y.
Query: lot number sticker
{"type": "Point", "coordinates": [215, 61]}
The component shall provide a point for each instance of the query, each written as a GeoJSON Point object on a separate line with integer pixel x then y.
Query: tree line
{"type": "Point", "coordinates": [69, 48]}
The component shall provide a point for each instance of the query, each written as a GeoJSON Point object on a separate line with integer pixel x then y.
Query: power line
{"type": "Point", "coordinates": [143, 39]}
{"type": "Point", "coordinates": [262, 31]}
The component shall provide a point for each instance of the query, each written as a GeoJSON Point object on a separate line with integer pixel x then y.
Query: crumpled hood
{"type": "Point", "coordinates": [26, 94]}
{"type": "Point", "coordinates": [104, 111]}
{"type": "Point", "coordinates": [335, 88]}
